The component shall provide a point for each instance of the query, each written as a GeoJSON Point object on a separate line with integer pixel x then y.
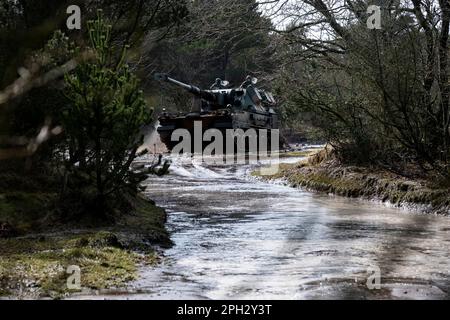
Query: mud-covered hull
{"type": "Point", "coordinates": [220, 121]}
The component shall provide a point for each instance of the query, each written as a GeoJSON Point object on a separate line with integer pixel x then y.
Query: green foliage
{"type": "Point", "coordinates": [102, 122]}
{"type": "Point", "coordinates": [98, 105]}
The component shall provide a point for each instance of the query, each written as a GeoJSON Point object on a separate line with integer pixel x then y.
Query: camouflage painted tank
{"type": "Point", "coordinates": [221, 108]}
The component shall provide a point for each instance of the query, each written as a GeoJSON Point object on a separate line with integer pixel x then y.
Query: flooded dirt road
{"type": "Point", "coordinates": [239, 238]}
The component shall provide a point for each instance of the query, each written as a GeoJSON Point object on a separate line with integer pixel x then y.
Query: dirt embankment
{"type": "Point", "coordinates": [320, 172]}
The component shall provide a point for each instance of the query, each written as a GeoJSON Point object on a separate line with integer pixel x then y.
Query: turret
{"type": "Point", "coordinates": [246, 97]}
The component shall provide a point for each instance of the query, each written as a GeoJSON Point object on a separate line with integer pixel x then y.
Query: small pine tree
{"type": "Point", "coordinates": [102, 123]}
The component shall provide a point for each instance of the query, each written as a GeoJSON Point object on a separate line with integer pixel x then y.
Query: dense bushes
{"type": "Point", "coordinates": [99, 112]}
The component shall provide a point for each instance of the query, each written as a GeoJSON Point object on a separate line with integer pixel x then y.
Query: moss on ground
{"type": "Point", "coordinates": [35, 265]}
{"type": "Point", "coordinates": [39, 240]}
{"type": "Point", "coordinates": [29, 269]}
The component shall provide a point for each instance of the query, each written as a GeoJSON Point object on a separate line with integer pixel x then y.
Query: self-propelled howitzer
{"type": "Point", "coordinates": [244, 107]}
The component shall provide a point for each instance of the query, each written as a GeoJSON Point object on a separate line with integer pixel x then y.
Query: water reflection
{"type": "Point", "coordinates": [238, 238]}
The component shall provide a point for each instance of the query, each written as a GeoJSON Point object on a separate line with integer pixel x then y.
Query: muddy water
{"type": "Point", "coordinates": [239, 238]}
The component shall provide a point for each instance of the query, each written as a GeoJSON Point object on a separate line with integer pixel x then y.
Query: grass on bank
{"type": "Point", "coordinates": [320, 172]}
{"type": "Point", "coordinates": [35, 253]}
{"type": "Point", "coordinates": [37, 267]}
{"type": "Point", "coordinates": [296, 154]}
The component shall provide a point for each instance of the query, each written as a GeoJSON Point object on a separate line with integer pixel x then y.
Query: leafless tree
{"type": "Point", "coordinates": [396, 76]}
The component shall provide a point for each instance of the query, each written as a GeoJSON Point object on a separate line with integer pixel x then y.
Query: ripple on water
{"type": "Point", "coordinates": [239, 238]}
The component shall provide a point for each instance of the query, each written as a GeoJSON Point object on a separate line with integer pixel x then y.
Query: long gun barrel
{"type": "Point", "coordinates": [190, 88]}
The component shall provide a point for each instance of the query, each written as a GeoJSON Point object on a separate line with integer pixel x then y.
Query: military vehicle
{"type": "Point", "coordinates": [222, 108]}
